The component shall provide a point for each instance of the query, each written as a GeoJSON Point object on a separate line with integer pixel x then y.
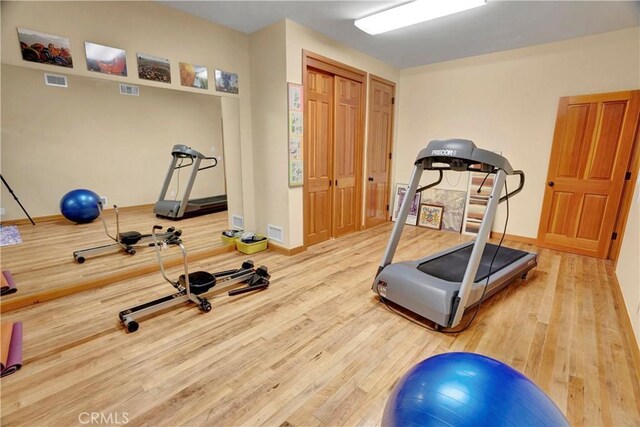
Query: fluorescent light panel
{"type": "Point", "coordinates": [413, 13]}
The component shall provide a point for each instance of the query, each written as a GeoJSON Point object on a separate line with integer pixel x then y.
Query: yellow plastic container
{"type": "Point", "coordinates": [252, 248]}
{"type": "Point", "coordinates": [231, 240]}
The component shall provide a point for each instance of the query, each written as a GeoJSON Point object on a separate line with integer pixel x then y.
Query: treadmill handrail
{"type": "Point", "coordinates": [517, 190]}
{"type": "Point", "coordinates": [433, 184]}
{"type": "Point", "coordinates": [215, 163]}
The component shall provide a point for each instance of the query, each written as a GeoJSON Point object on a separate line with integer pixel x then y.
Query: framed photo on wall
{"type": "Point", "coordinates": [194, 75]}
{"type": "Point", "coordinates": [44, 48]}
{"type": "Point", "coordinates": [106, 59]}
{"type": "Point", "coordinates": [153, 68]}
{"type": "Point", "coordinates": [226, 82]}
{"type": "Point", "coordinates": [430, 216]}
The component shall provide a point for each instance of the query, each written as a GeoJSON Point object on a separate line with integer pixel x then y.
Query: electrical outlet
{"type": "Point", "coordinates": [213, 150]}
{"type": "Point", "coordinates": [103, 200]}
{"type": "Point", "coordinates": [1, 211]}
{"type": "Point", "coordinates": [173, 194]}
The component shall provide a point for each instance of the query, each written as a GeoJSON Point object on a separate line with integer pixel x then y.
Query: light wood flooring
{"type": "Point", "coordinates": [317, 347]}
{"type": "Point", "coordinates": [43, 265]}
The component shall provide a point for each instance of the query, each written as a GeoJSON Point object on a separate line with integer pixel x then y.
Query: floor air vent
{"type": "Point", "coordinates": [129, 90]}
{"type": "Point", "coordinates": [55, 80]}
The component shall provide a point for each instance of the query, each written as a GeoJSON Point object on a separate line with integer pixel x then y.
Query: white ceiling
{"type": "Point", "coordinates": [500, 25]}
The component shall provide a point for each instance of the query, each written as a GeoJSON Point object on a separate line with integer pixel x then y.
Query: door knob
{"type": "Point", "coordinates": [551, 183]}
{"type": "Point", "coordinates": [370, 178]}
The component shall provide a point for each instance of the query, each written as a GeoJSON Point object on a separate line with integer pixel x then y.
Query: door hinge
{"type": "Point", "coordinates": [393, 100]}
{"type": "Point", "coordinates": [627, 176]}
{"type": "Point", "coordinates": [614, 236]}
{"type": "Point", "coordinates": [330, 182]}
{"type": "Point", "coordinates": [387, 208]}
{"type": "Point", "coordinates": [390, 156]}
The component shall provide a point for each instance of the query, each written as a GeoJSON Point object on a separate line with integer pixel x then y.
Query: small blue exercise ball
{"type": "Point", "coordinates": [80, 205]}
{"type": "Point", "coordinates": [467, 389]}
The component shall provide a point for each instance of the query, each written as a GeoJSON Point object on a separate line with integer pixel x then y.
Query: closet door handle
{"type": "Point", "coordinates": [551, 183]}
{"type": "Point", "coordinates": [371, 178]}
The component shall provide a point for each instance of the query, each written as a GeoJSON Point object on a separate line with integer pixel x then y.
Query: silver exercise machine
{"type": "Point", "coordinates": [126, 241]}
{"type": "Point", "coordinates": [177, 209]}
{"type": "Point", "coordinates": [441, 287]}
{"type": "Point", "coordinates": [192, 287]}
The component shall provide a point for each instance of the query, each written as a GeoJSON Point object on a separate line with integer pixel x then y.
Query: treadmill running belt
{"type": "Point", "coordinates": [451, 266]}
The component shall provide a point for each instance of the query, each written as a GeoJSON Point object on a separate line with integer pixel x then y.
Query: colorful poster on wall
{"type": "Point", "coordinates": [194, 76]}
{"type": "Point", "coordinates": [295, 125]}
{"type": "Point", "coordinates": [44, 48]}
{"type": "Point", "coordinates": [105, 59]}
{"type": "Point", "coordinates": [154, 68]}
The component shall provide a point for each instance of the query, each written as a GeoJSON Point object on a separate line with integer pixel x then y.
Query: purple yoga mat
{"type": "Point", "coordinates": [14, 361]}
{"type": "Point", "coordinates": [11, 288]}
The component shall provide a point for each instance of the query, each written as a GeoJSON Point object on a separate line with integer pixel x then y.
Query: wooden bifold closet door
{"type": "Point", "coordinates": [332, 153]}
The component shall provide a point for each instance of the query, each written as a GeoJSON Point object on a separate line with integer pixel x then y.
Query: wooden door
{"type": "Point", "coordinates": [381, 97]}
{"type": "Point", "coordinates": [591, 148]}
{"type": "Point", "coordinates": [345, 162]}
{"type": "Point", "coordinates": [318, 156]}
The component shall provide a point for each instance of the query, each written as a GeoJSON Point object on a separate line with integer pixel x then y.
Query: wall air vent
{"type": "Point", "coordinates": [55, 80]}
{"type": "Point", "coordinates": [237, 222]}
{"type": "Point", "coordinates": [275, 233]}
{"type": "Point", "coordinates": [129, 90]}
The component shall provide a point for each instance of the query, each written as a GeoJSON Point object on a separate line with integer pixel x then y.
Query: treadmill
{"type": "Point", "coordinates": [178, 209]}
{"type": "Point", "coordinates": [442, 286]}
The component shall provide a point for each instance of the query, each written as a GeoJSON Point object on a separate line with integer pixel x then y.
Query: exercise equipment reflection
{"type": "Point", "coordinates": [80, 206]}
{"type": "Point", "coordinates": [126, 241]}
{"type": "Point", "coordinates": [177, 209]}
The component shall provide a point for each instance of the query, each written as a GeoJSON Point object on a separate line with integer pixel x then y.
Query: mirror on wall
{"type": "Point", "coordinates": [89, 135]}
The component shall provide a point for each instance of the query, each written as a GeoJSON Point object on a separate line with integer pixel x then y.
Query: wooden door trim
{"type": "Point", "coordinates": [627, 198]}
{"type": "Point", "coordinates": [311, 59]}
{"type": "Point", "coordinates": [373, 77]}
{"type": "Point", "coordinates": [328, 65]}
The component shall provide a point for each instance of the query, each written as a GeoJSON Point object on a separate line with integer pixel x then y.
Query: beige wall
{"type": "Point", "coordinates": [150, 28]}
{"type": "Point", "coordinates": [269, 118]}
{"type": "Point", "coordinates": [299, 38]}
{"type": "Point", "coordinates": [507, 102]}
{"type": "Point", "coordinates": [628, 268]}
{"type": "Point", "coordinates": [90, 136]}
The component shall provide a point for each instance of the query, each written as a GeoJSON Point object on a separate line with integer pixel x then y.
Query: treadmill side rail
{"type": "Point", "coordinates": [478, 247]}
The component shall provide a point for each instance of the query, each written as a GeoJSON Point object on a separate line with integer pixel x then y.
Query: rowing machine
{"type": "Point", "coordinates": [193, 286]}
{"type": "Point", "coordinates": [125, 241]}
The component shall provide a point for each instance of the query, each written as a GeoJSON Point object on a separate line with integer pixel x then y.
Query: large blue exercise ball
{"type": "Point", "coordinates": [80, 205]}
{"type": "Point", "coordinates": [467, 389]}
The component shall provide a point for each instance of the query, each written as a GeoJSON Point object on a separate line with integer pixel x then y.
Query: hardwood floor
{"type": "Point", "coordinates": [317, 347]}
{"type": "Point", "coordinates": [44, 268]}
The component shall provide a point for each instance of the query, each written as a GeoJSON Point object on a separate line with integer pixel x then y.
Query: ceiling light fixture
{"type": "Point", "coordinates": [413, 13]}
